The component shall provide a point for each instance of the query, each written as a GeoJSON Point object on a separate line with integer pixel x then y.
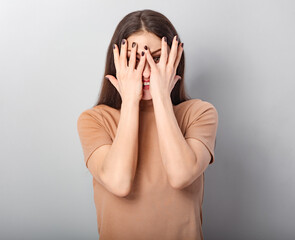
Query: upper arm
{"type": "Point", "coordinates": [203, 156]}
{"type": "Point", "coordinates": [93, 134]}
{"type": "Point", "coordinates": [200, 135]}
{"type": "Point", "coordinates": [96, 144]}
{"type": "Point", "coordinates": [201, 131]}
{"type": "Point", "coordinates": [95, 162]}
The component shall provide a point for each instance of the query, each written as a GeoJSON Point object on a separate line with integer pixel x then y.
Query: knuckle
{"type": "Point", "coordinates": [170, 69]}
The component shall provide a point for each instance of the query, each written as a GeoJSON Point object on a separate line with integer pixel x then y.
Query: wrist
{"type": "Point", "coordinates": [130, 102]}
{"type": "Point", "coordinates": [162, 97]}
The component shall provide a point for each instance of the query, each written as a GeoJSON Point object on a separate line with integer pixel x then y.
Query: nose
{"type": "Point", "coordinates": [146, 71]}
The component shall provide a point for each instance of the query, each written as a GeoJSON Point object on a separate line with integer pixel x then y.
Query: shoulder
{"type": "Point", "coordinates": [195, 106]}
{"type": "Point", "coordinates": [97, 110]}
{"type": "Point", "coordinates": [94, 113]}
{"type": "Point", "coordinates": [99, 113]}
{"type": "Point", "coordinates": [90, 112]}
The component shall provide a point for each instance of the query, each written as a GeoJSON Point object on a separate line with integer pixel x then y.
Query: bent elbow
{"type": "Point", "coordinates": [119, 188]}
{"type": "Point", "coordinates": [123, 193]}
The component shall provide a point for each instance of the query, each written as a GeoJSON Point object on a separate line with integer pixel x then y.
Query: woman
{"type": "Point", "coordinates": [145, 142]}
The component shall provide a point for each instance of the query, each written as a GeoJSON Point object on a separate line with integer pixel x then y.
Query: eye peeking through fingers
{"type": "Point", "coordinates": [156, 59]}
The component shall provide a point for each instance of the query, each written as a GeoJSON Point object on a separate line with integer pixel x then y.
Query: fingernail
{"type": "Point", "coordinates": [181, 45]}
{"type": "Point", "coordinates": [107, 78]}
{"type": "Point", "coordinates": [142, 53]}
{"type": "Point", "coordinates": [145, 47]}
{"type": "Point", "coordinates": [123, 41]}
{"type": "Point", "coordinates": [165, 39]}
{"type": "Point", "coordinates": [114, 46]}
{"type": "Point", "coordinates": [177, 38]}
{"type": "Point", "coordinates": [133, 44]}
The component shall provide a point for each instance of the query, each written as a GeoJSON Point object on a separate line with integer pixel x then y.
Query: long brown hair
{"type": "Point", "coordinates": [134, 22]}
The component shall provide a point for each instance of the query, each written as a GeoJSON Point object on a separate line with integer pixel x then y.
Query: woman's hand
{"type": "Point", "coordinates": [129, 80]}
{"type": "Point", "coordinates": [163, 74]}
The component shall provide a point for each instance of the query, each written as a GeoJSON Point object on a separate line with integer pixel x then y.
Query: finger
{"type": "Point", "coordinates": [141, 62]}
{"type": "Point", "coordinates": [132, 57]}
{"type": "Point", "coordinates": [123, 53]}
{"type": "Point", "coordinates": [173, 52]}
{"type": "Point", "coordinates": [179, 53]}
{"type": "Point", "coordinates": [149, 58]}
{"type": "Point", "coordinates": [113, 81]}
{"type": "Point", "coordinates": [116, 56]}
{"type": "Point", "coordinates": [176, 79]}
{"type": "Point", "coordinates": [164, 53]}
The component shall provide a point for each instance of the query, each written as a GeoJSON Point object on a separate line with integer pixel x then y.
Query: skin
{"type": "Point", "coordinates": [132, 68]}
{"type": "Point", "coordinates": [154, 44]}
{"type": "Point", "coordinates": [183, 159]}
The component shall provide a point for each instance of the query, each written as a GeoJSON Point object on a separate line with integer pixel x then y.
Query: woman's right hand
{"type": "Point", "coordinates": [129, 78]}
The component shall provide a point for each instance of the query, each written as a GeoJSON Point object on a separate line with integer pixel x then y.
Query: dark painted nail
{"type": "Point", "coordinates": [165, 39]}
{"type": "Point", "coordinates": [133, 44]}
{"type": "Point", "coordinates": [145, 47]}
{"type": "Point", "coordinates": [123, 41]}
{"type": "Point", "coordinates": [182, 45]}
{"type": "Point", "coordinates": [142, 53]}
{"type": "Point", "coordinates": [114, 46]}
{"type": "Point", "coordinates": [177, 38]}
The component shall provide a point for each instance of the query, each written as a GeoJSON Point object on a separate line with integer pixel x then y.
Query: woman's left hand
{"type": "Point", "coordinates": [163, 74]}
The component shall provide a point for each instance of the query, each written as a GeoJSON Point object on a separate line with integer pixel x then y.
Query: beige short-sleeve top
{"type": "Point", "coordinates": [153, 209]}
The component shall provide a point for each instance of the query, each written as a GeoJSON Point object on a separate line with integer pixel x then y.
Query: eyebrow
{"type": "Point", "coordinates": [151, 53]}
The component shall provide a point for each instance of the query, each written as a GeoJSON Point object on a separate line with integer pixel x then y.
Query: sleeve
{"type": "Point", "coordinates": [202, 125]}
{"type": "Point", "coordinates": [92, 133]}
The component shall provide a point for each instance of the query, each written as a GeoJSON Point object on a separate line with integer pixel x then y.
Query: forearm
{"type": "Point", "coordinates": [120, 163]}
{"type": "Point", "coordinates": [177, 156]}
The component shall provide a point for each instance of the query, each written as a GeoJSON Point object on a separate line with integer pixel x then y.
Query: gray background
{"type": "Point", "coordinates": [240, 56]}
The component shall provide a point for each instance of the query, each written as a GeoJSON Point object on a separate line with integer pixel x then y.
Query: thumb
{"type": "Point", "coordinates": [113, 81]}
{"type": "Point", "coordinates": [176, 78]}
